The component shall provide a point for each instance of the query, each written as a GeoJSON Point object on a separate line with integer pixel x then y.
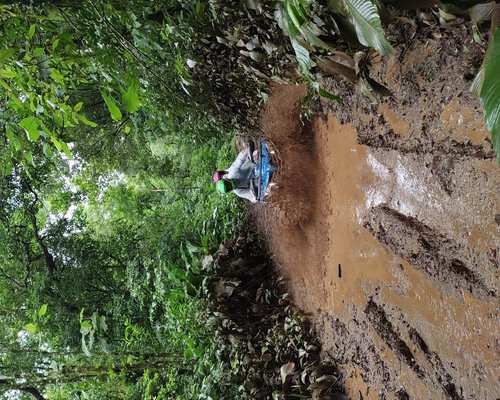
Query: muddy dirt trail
{"type": "Point", "coordinates": [396, 255]}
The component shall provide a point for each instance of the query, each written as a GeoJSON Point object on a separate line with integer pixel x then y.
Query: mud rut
{"type": "Point", "coordinates": [389, 235]}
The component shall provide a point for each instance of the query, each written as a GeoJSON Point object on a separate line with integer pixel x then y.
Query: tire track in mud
{"type": "Point", "coordinates": [388, 139]}
{"type": "Point", "coordinates": [363, 351]}
{"type": "Point", "coordinates": [443, 377]}
{"type": "Point", "coordinates": [445, 261]}
{"type": "Point", "coordinates": [386, 330]}
{"type": "Point", "coordinates": [345, 347]}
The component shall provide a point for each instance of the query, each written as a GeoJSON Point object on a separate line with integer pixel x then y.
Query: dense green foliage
{"type": "Point", "coordinates": [113, 114]}
{"type": "Point", "coordinates": [107, 204]}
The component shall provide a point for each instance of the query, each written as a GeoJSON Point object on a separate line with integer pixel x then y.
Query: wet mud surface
{"type": "Point", "coordinates": [397, 254]}
{"type": "Point", "coordinates": [445, 261]}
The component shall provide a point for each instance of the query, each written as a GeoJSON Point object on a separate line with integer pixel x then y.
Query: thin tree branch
{"type": "Point", "coordinates": [11, 280]}
{"type": "Point", "coordinates": [49, 259]}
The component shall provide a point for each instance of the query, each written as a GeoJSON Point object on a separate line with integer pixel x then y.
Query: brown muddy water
{"type": "Point", "coordinates": [396, 256]}
{"type": "Point", "coordinates": [401, 277]}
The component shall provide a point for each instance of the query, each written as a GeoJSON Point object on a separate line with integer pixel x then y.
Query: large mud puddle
{"type": "Point", "coordinates": [399, 270]}
{"type": "Point", "coordinates": [401, 276]}
{"type": "Point", "coordinates": [397, 259]}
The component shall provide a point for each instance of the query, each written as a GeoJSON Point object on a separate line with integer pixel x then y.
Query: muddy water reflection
{"type": "Point", "coordinates": [452, 339]}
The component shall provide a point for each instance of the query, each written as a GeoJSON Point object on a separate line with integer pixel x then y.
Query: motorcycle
{"type": "Point", "coordinates": [264, 168]}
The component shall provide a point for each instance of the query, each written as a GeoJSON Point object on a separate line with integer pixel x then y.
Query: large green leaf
{"type": "Point", "coordinates": [57, 76]}
{"type": "Point", "coordinates": [30, 125]}
{"type": "Point", "coordinates": [130, 99]}
{"type": "Point", "coordinates": [31, 328]}
{"type": "Point", "coordinates": [78, 106]}
{"type": "Point", "coordinates": [8, 74]}
{"type": "Point", "coordinates": [303, 57]}
{"type": "Point", "coordinates": [366, 20]}
{"type": "Point", "coordinates": [42, 311]}
{"type": "Point", "coordinates": [6, 54]}
{"type": "Point", "coordinates": [31, 31]}
{"type": "Point", "coordinates": [115, 112]}
{"type": "Point", "coordinates": [308, 31]}
{"type": "Point", "coordinates": [61, 146]}
{"type": "Point", "coordinates": [293, 19]}
{"type": "Point", "coordinates": [85, 120]}
{"type": "Point", "coordinates": [490, 92]}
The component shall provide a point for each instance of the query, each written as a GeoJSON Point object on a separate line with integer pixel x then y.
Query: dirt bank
{"type": "Point", "coordinates": [398, 257]}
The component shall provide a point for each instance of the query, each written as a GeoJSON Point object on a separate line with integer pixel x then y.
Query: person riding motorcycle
{"type": "Point", "coordinates": [239, 176]}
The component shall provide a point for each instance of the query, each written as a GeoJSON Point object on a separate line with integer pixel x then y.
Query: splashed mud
{"type": "Point", "coordinates": [398, 258]}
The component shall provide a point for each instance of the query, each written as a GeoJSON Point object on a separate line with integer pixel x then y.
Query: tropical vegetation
{"type": "Point", "coordinates": [112, 116]}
